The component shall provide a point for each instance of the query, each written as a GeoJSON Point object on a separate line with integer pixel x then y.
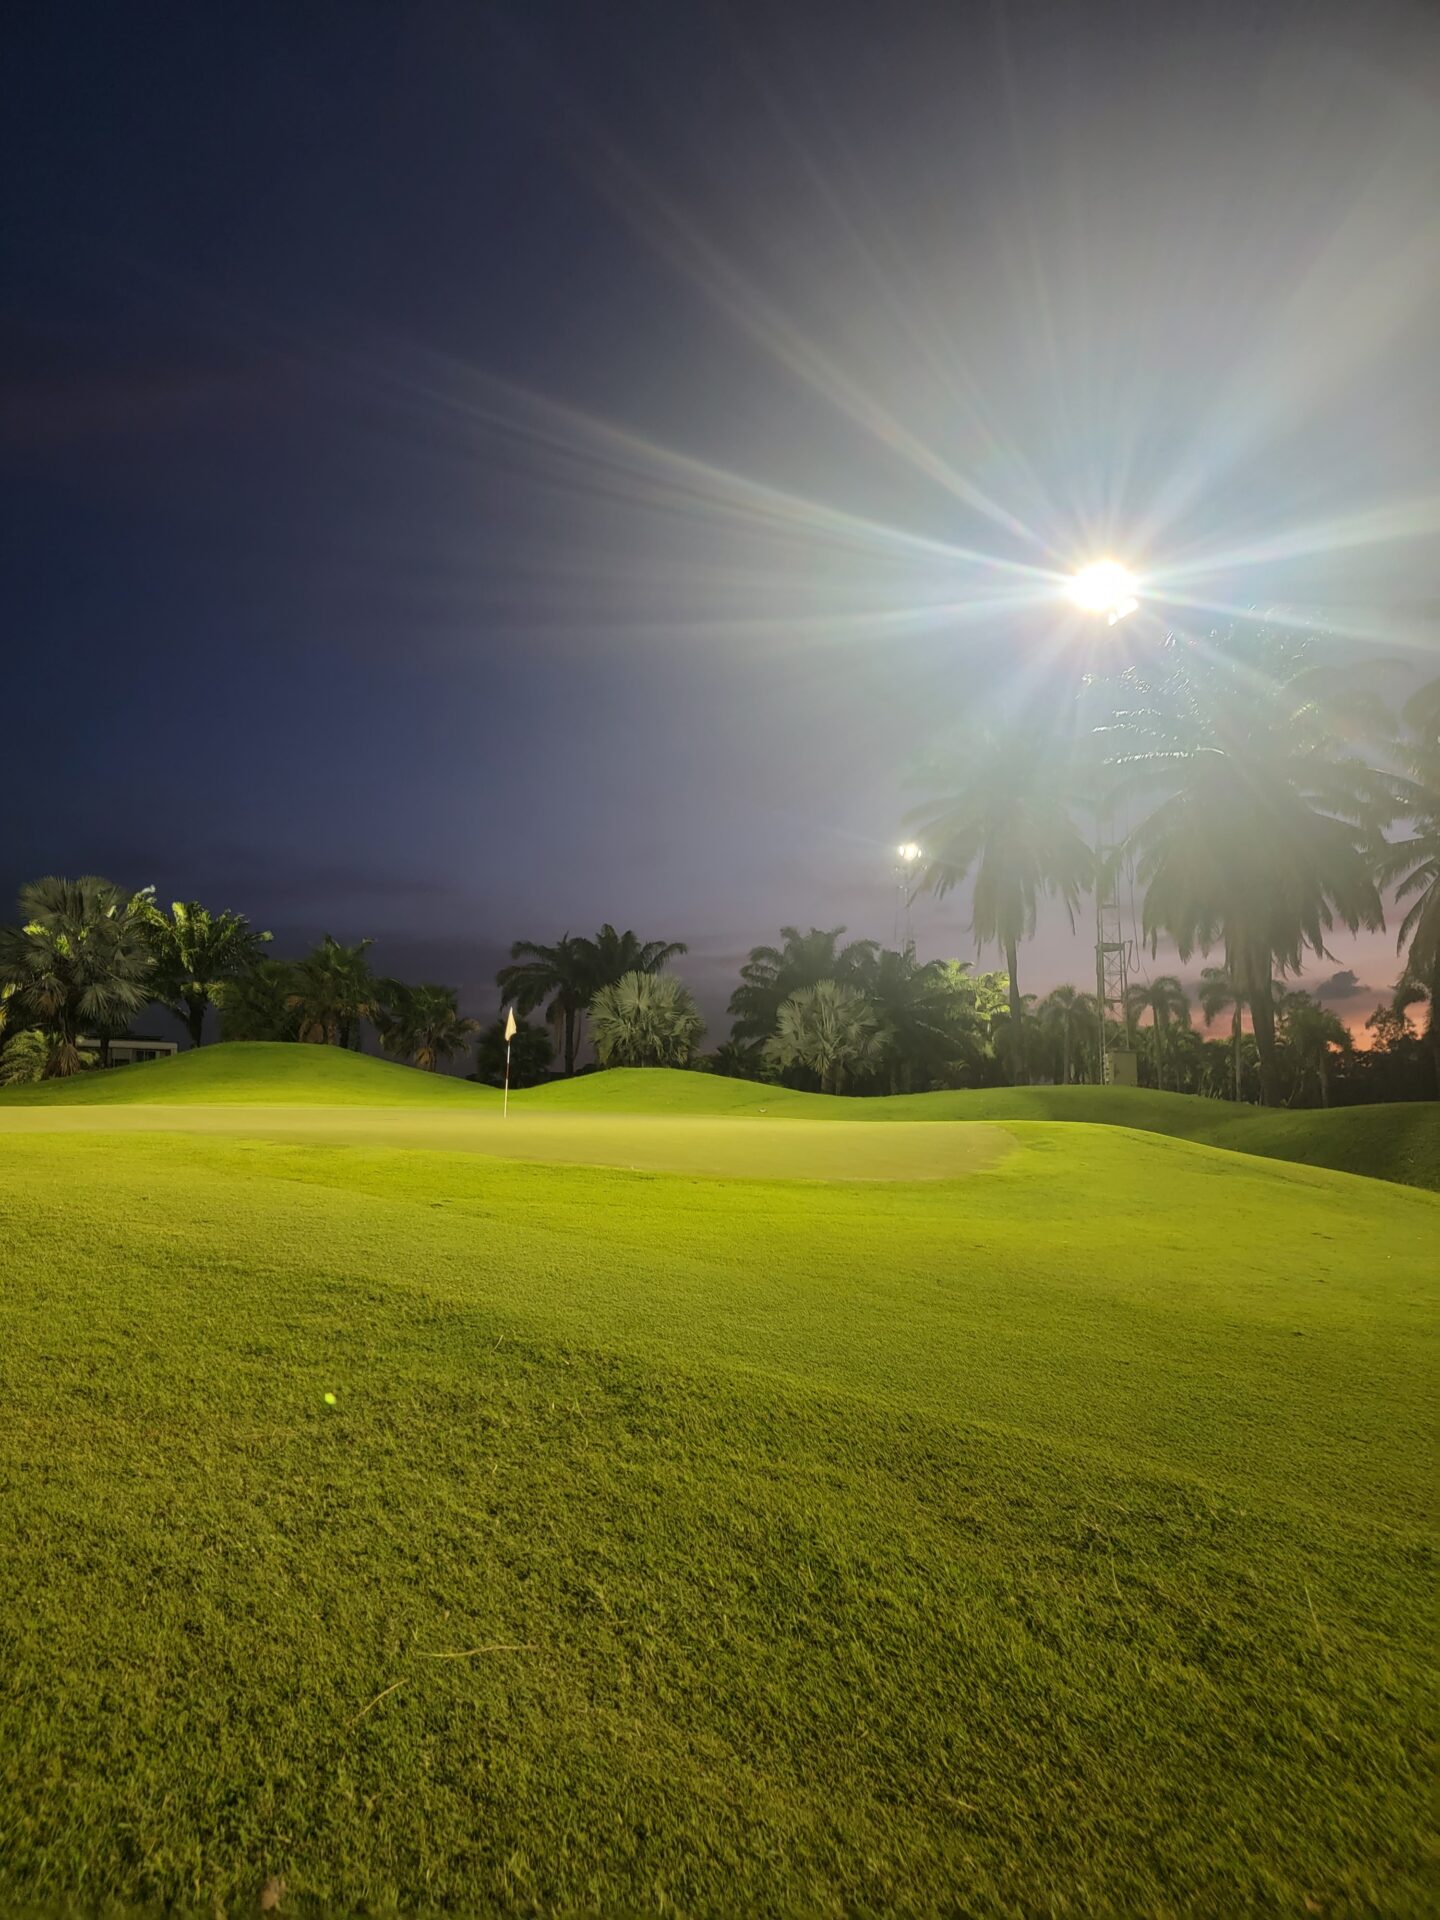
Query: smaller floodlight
{"type": "Point", "coordinates": [1105, 587]}
{"type": "Point", "coordinates": [909, 853]}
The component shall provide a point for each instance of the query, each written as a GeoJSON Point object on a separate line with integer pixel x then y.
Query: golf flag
{"type": "Point", "coordinates": [510, 1032]}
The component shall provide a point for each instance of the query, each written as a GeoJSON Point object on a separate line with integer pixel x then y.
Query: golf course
{"type": "Point", "coordinates": [683, 1495]}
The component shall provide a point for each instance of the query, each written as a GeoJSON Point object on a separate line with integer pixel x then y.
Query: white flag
{"type": "Point", "coordinates": [510, 1027]}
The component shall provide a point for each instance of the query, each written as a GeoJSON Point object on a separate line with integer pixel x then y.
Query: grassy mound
{"type": "Point", "coordinates": [258, 1072]}
{"type": "Point", "coordinates": [1386, 1143]}
{"type": "Point", "coordinates": [1399, 1143]}
{"type": "Point", "coordinates": [1053, 1540]}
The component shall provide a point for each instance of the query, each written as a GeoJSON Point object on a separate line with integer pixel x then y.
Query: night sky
{"type": "Point", "coordinates": [471, 472]}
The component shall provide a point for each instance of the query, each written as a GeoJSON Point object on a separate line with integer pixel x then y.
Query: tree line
{"type": "Point", "coordinates": [1260, 785]}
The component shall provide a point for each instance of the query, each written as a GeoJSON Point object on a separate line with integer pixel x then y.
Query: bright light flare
{"type": "Point", "coordinates": [909, 853]}
{"type": "Point", "coordinates": [1105, 587]}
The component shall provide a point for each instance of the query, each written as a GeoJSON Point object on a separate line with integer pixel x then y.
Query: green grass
{"type": "Point", "coordinates": [1386, 1143]}
{"type": "Point", "coordinates": [1056, 1539]}
{"type": "Point", "coordinates": [257, 1071]}
{"type": "Point", "coordinates": [1389, 1143]}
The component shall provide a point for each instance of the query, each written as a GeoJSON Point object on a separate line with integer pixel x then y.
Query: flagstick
{"type": "Point", "coordinates": [505, 1109]}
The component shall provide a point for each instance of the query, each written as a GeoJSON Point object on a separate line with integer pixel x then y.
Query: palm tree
{"type": "Point", "coordinates": [1164, 999]}
{"type": "Point", "coordinates": [1265, 832]}
{"type": "Point", "coordinates": [830, 1029]}
{"type": "Point", "coordinates": [927, 1026]}
{"type": "Point", "coordinates": [737, 1060]}
{"type": "Point", "coordinates": [560, 974]}
{"type": "Point", "coordinates": [1066, 1011]}
{"type": "Point", "coordinates": [570, 973]}
{"type": "Point", "coordinates": [1217, 992]}
{"type": "Point", "coordinates": [196, 953]}
{"type": "Point", "coordinates": [530, 1054]}
{"type": "Point", "coordinates": [772, 974]}
{"type": "Point", "coordinates": [645, 1020]}
{"type": "Point", "coordinates": [1412, 865]}
{"type": "Point", "coordinates": [1006, 819]}
{"type": "Point", "coordinates": [423, 1024]}
{"type": "Point", "coordinates": [1311, 1030]}
{"type": "Point", "coordinates": [79, 959]}
{"type": "Point", "coordinates": [331, 991]}
{"type": "Point", "coordinates": [258, 1004]}
{"type": "Point", "coordinates": [613, 955]}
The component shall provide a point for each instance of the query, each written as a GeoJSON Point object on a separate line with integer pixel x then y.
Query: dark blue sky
{"type": "Point", "coordinates": [471, 471]}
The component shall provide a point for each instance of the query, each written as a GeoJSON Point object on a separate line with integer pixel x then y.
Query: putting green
{"type": "Point", "coordinates": [1399, 1143]}
{"type": "Point", "coordinates": [724, 1148]}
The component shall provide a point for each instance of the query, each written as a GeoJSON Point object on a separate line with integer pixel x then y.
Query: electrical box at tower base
{"type": "Point", "coordinates": [1122, 1069]}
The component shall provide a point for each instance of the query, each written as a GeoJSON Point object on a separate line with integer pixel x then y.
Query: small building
{"type": "Point", "coordinates": [127, 1048]}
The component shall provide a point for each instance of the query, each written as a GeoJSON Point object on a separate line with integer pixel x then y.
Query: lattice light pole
{"type": "Point", "coordinates": [1111, 949]}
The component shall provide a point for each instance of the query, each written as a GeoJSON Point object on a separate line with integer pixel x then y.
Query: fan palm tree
{"type": "Point", "coordinates": [80, 958]}
{"type": "Point", "coordinates": [830, 1029]}
{"type": "Point", "coordinates": [1005, 818]}
{"type": "Point", "coordinates": [423, 1024]}
{"type": "Point", "coordinates": [772, 974]}
{"type": "Point", "coordinates": [1412, 864]}
{"type": "Point", "coordinates": [1266, 826]}
{"type": "Point", "coordinates": [645, 1020]}
{"type": "Point", "coordinates": [331, 991]}
{"type": "Point", "coordinates": [1217, 992]}
{"type": "Point", "coordinates": [569, 974]}
{"type": "Point", "coordinates": [1164, 999]}
{"type": "Point", "coordinates": [196, 953]}
{"type": "Point", "coordinates": [1068, 1012]}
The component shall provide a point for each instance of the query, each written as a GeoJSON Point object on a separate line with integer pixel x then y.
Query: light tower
{"type": "Point", "coordinates": [906, 857]}
{"type": "Point", "coordinates": [1107, 588]}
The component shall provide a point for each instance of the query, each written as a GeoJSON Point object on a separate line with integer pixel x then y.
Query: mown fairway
{"type": "Point", "coordinates": [765, 1529]}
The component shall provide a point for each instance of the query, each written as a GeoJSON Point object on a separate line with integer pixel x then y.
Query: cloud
{"type": "Point", "coordinates": [1345, 985]}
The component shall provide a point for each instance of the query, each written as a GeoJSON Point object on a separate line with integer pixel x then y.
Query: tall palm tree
{"type": "Point", "coordinates": [613, 955]}
{"type": "Point", "coordinates": [80, 958]}
{"type": "Point", "coordinates": [1264, 823]}
{"type": "Point", "coordinates": [559, 973]}
{"type": "Point", "coordinates": [196, 954]}
{"type": "Point", "coordinates": [830, 1029]}
{"type": "Point", "coordinates": [423, 1024]}
{"type": "Point", "coordinates": [1217, 992]}
{"type": "Point", "coordinates": [1412, 865]}
{"type": "Point", "coordinates": [1005, 818]}
{"type": "Point", "coordinates": [772, 974]}
{"type": "Point", "coordinates": [1067, 1011]}
{"type": "Point", "coordinates": [1164, 999]}
{"type": "Point", "coordinates": [645, 1020]}
{"type": "Point", "coordinates": [331, 991]}
{"type": "Point", "coordinates": [573, 970]}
